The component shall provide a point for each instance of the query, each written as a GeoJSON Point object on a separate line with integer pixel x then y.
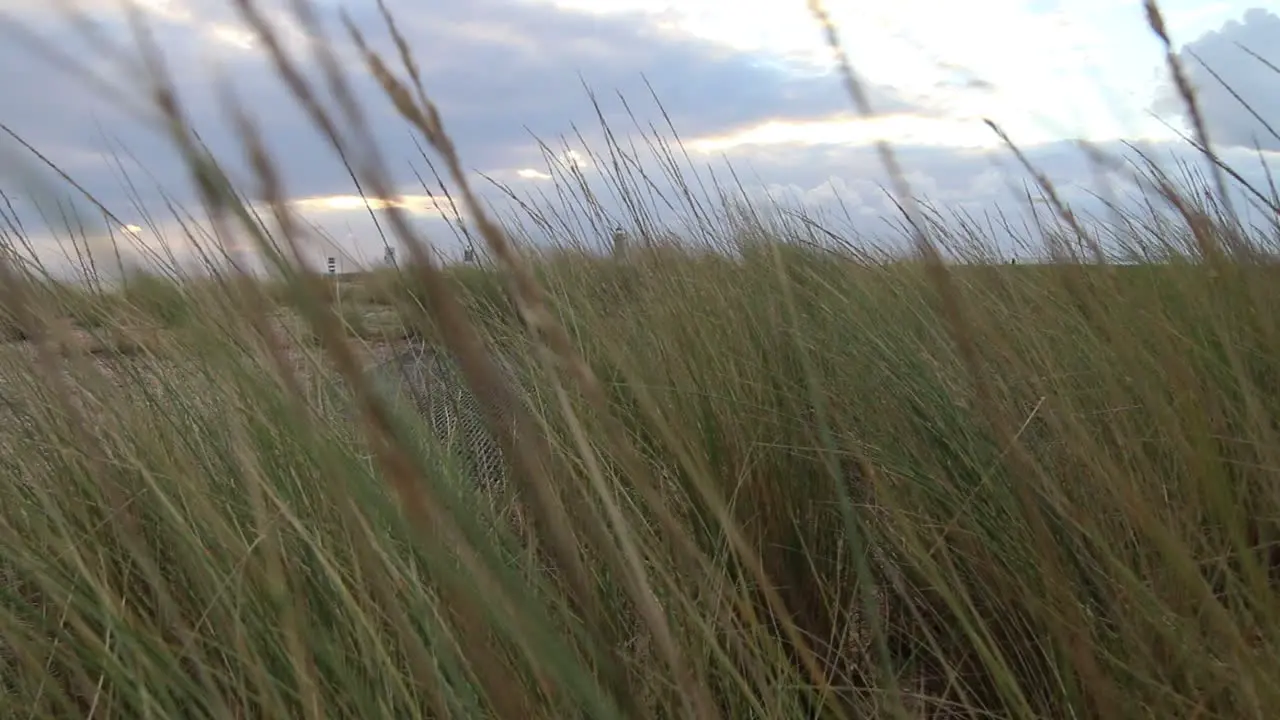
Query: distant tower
{"type": "Point", "coordinates": [619, 242]}
{"type": "Point", "coordinates": [469, 254]}
{"type": "Point", "coordinates": [389, 256]}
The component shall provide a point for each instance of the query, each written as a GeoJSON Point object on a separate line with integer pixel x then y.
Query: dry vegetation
{"type": "Point", "coordinates": [759, 475]}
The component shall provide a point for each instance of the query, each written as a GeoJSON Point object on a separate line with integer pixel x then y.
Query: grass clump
{"type": "Point", "coordinates": [755, 475]}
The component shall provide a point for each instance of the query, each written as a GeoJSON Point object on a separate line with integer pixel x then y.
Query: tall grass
{"type": "Point", "coordinates": [756, 473]}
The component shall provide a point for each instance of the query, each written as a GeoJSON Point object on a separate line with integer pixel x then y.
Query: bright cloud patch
{"type": "Point", "coordinates": [573, 158]}
{"type": "Point", "coordinates": [898, 129]}
{"type": "Point", "coordinates": [1044, 69]}
{"type": "Point", "coordinates": [416, 204]}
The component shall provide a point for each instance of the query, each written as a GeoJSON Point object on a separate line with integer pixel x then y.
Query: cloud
{"type": "Point", "coordinates": [504, 72]}
{"type": "Point", "coordinates": [848, 129]}
{"type": "Point", "coordinates": [1220, 52]}
{"type": "Point", "coordinates": [413, 204]}
{"type": "Point", "coordinates": [847, 189]}
{"type": "Point", "coordinates": [499, 70]}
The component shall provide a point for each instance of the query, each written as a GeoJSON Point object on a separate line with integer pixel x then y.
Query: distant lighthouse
{"type": "Point", "coordinates": [619, 243]}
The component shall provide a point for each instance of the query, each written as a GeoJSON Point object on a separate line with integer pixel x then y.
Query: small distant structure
{"type": "Point", "coordinates": [389, 256]}
{"type": "Point", "coordinates": [619, 242]}
{"type": "Point", "coordinates": [469, 254]}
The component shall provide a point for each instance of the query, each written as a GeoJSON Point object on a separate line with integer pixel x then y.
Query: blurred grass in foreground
{"type": "Point", "coordinates": [757, 475]}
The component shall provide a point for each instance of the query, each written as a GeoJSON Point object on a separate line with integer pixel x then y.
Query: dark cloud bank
{"type": "Point", "coordinates": [500, 72]}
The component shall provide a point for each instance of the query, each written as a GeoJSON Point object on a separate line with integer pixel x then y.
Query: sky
{"type": "Point", "coordinates": [747, 85]}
